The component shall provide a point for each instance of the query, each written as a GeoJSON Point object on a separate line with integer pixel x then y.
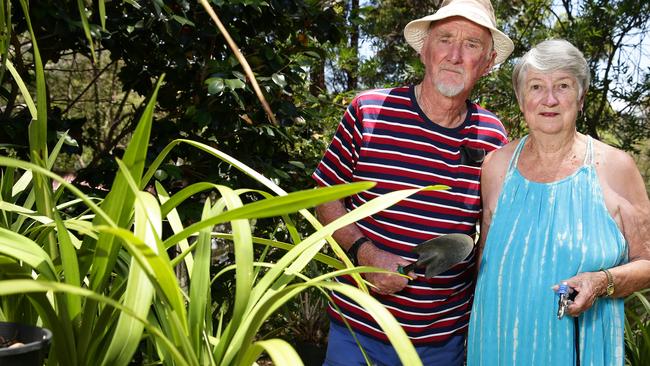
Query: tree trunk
{"type": "Point", "coordinates": [353, 70]}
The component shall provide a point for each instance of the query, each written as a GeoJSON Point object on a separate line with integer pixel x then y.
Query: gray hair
{"type": "Point", "coordinates": [549, 56]}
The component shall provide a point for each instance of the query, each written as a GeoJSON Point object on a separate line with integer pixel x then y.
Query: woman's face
{"type": "Point", "coordinates": [550, 101]}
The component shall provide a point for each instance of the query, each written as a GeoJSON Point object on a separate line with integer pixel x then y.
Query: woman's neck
{"type": "Point", "coordinates": [552, 146]}
{"type": "Point", "coordinates": [550, 158]}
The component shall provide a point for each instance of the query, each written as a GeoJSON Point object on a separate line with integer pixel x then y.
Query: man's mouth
{"type": "Point", "coordinates": [455, 71]}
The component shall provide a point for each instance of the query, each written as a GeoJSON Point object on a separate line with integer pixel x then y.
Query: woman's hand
{"type": "Point", "coordinates": [589, 286]}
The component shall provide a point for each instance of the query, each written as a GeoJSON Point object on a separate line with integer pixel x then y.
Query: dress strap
{"type": "Point", "coordinates": [589, 154]}
{"type": "Point", "coordinates": [515, 157]}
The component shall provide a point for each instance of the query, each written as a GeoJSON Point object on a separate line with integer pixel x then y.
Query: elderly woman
{"type": "Point", "coordinates": [559, 207]}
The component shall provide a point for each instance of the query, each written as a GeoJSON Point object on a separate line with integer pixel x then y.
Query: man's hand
{"type": "Point", "coordinates": [385, 284]}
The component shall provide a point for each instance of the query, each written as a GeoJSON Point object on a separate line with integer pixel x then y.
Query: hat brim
{"type": "Point", "coordinates": [417, 30]}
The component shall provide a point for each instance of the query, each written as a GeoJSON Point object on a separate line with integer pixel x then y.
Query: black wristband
{"type": "Point", "coordinates": [354, 248]}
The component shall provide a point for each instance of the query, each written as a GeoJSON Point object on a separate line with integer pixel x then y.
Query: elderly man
{"type": "Point", "coordinates": [415, 136]}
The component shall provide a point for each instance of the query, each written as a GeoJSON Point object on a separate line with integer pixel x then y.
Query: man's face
{"type": "Point", "coordinates": [456, 53]}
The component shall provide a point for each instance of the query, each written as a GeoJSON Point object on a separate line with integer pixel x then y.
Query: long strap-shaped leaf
{"type": "Point", "coordinates": [38, 127]}
{"type": "Point", "coordinates": [70, 265]}
{"type": "Point", "coordinates": [153, 259]}
{"type": "Point", "coordinates": [200, 294]}
{"type": "Point", "coordinates": [119, 202]}
{"type": "Point", "coordinates": [280, 351]}
{"type": "Point", "coordinates": [23, 249]}
{"type": "Point", "coordinates": [5, 28]}
{"type": "Point", "coordinates": [139, 290]}
{"type": "Point", "coordinates": [81, 6]}
{"type": "Point", "coordinates": [174, 219]}
{"type": "Point", "coordinates": [118, 205]}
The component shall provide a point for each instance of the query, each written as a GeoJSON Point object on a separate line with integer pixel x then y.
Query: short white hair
{"type": "Point", "coordinates": [549, 56]}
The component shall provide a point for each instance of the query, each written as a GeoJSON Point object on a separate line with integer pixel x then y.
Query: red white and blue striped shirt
{"type": "Point", "coordinates": [385, 137]}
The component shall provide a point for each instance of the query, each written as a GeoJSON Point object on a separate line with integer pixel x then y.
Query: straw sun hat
{"type": "Point", "coordinates": [478, 11]}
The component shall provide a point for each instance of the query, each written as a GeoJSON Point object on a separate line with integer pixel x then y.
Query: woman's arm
{"type": "Point", "coordinates": [628, 188]}
{"type": "Point", "coordinates": [493, 173]}
{"type": "Point", "coordinates": [627, 201]}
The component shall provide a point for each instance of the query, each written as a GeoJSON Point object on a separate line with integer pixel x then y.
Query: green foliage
{"type": "Point", "coordinates": [184, 333]}
{"type": "Point", "coordinates": [98, 274]}
{"type": "Point", "coordinates": [610, 33]}
{"type": "Point", "coordinates": [205, 97]}
{"type": "Point", "coordinates": [637, 329]}
{"type": "Point", "coordinates": [206, 105]}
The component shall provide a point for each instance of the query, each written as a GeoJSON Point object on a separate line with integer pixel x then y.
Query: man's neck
{"type": "Point", "coordinates": [445, 111]}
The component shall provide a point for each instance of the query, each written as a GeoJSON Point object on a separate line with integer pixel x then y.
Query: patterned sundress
{"type": "Point", "coordinates": [541, 234]}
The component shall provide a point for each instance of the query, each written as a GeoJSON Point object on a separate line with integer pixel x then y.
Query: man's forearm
{"type": "Point", "coordinates": [331, 211]}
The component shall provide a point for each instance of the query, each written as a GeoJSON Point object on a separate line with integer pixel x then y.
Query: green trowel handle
{"type": "Point", "coordinates": [406, 269]}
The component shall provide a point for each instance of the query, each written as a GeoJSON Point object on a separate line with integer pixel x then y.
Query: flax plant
{"type": "Point", "coordinates": [637, 329]}
{"type": "Point", "coordinates": [102, 281]}
{"type": "Point", "coordinates": [106, 320]}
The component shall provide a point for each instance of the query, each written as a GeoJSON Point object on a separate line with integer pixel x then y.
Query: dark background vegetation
{"type": "Point", "coordinates": [309, 56]}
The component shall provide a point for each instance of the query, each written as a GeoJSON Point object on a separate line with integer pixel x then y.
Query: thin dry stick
{"type": "Point", "coordinates": [242, 60]}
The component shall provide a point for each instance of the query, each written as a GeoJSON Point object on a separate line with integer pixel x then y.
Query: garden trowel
{"type": "Point", "coordinates": [439, 254]}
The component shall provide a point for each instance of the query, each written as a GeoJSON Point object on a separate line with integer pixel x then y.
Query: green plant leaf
{"type": "Point", "coordinates": [23, 249]}
{"type": "Point", "coordinates": [70, 265]}
{"type": "Point", "coordinates": [279, 79]}
{"type": "Point", "coordinates": [168, 210]}
{"type": "Point", "coordinates": [200, 294]}
{"type": "Point", "coordinates": [81, 5]}
{"type": "Point", "coordinates": [119, 202]}
{"type": "Point", "coordinates": [31, 106]}
{"type": "Point", "coordinates": [279, 350]}
{"type": "Point", "coordinates": [139, 290]}
{"type": "Point", "coordinates": [153, 259]}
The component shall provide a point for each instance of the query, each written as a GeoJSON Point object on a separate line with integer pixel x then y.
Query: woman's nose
{"type": "Point", "coordinates": [550, 98]}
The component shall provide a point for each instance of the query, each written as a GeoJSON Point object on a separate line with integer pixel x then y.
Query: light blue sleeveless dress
{"type": "Point", "coordinates": [541, 234]}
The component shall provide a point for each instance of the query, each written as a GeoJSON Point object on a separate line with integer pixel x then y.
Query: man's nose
{"type": "Point", "coordinates": [455, 52]}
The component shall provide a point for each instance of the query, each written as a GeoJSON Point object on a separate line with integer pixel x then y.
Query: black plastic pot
{"type": "Point", "coordinates": [35, 344]}
{"type": "Point", "coordinates": [311, 354]}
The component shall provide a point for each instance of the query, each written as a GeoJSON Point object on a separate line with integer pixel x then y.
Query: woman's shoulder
{"type": "Point", "coordinates": [497, 161]}
{"type": "Point", "coordinates": [618, 173]}
{"type": "Point", "coordinates": [612, 160]}
{"type": "Point", "coordinates": [505, 152]}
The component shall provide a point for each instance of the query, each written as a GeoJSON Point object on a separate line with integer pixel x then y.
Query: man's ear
{"type": "Point", "coordinates": [423, 50]}
{"type": "Point", "coordinates": [490, 64]}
